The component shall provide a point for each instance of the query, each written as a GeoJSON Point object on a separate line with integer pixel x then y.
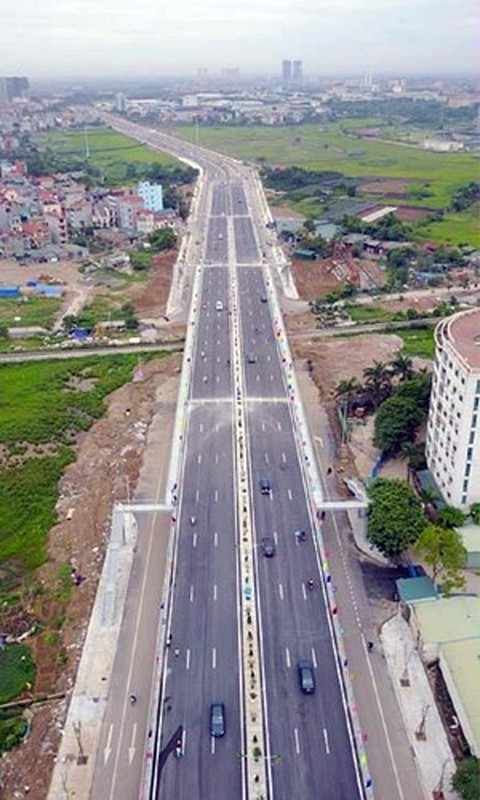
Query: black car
{"type": "Point", "coordinates": [306, 678]}
{"type": "Point", "coordinates": [268, 546]}
{"type": "Point", "coordinates": [217, 719]}
{"type": "Point", "coordinates": [265, 487]}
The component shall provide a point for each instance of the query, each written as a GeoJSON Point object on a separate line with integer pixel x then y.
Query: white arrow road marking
{"type": "Point", "coordinates": [131, 749]}
{"type": "Point", "coordinates": [108, 747]}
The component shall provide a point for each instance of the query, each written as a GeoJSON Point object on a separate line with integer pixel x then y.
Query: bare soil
{"type": "Point", "coordinates": [395, 186]}
{"type": "Point", "coordinates": [313, 279]}
{"type": "Point", "coordinates": [109, 457]}
{"type": "Point", "coordinates": [150, 298]}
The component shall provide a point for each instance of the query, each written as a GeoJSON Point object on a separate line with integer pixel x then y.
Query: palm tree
{"type": "Point", "coordinates": [378, 381]}
{"type": "Point", "coordinates": [402, 366]}
{"type": "Point", "coordinates": [347, 388]}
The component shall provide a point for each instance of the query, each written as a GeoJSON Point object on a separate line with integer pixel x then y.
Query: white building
{"type": "Point", "coordinates": [453, 434]}
{"type": "Point", "coordinates": [152, 195]}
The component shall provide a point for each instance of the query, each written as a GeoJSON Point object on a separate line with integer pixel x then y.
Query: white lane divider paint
{"type": "Point", "coordinates": [314, 658]}
{"type": "Point", "coordinates": [271, 377]}
{"type": "Point", "coordinates": [304, 591]}
{"type": "Point", "coordinates": [200, 427]}
{"type": "Point", "coordinates": [217, 379]}
{"type": "Point", "coordinates": [197, 495]}
{"type": "Point", "coordinates": [297, 741]}
{"type": "Point", "coordinates": [263, 426]}
{"type": "Point", "coordinates": [284, 458]}
{"type": "Point", "coordinates": [279, 426]}
{"type": "Point", "coordinates": [199, 458]}
{"type": "Point", "coordinates": [212, 738]}
{"type": "Point", "coordinates": [214, 658]}
{"type": "Point", "coordinates": [325, 738]}
{"type": "Point", "coordinates": [275, 537]}
{"type": "Point", "coordinates": [187, 660]}
{"type": "Point", "coordinates": [215, 496]}
{"type": "Point", "coordinates": [194, 539]}
{"type": "Point", "coordinates": [215, 539]}
{"type": "Point", "coordinates": [192, 593]}
{"type": "Point", "coordinates": [267, 460]}
{"type": "Point", "coordinates": [216, 458]}
{"type": "Point", "coordinates": [269, 358]}
{"type": "Point", "coordinates": [289, 492]}
{"type": "Point", "coordinates": [287, 658]}
{"type": "Point", "coordinates": [257, 377]}
{"type": "Point", "coordinates": [215, 592]}
{"type": "Point", "coordinates": [280, 590]}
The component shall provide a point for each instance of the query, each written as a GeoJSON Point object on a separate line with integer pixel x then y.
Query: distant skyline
{"type": "Point", "coordinates": [88, 38]}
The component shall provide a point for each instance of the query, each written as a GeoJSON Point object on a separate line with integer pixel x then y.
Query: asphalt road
{"type": "Point", "coordinates": [309, 745]}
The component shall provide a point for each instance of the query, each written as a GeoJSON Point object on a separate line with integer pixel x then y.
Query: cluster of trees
{"type": "Point", "coordinates": [396, 521]}
{"type": "Point", "coordinates": [307, 239]}
{"type": "Point", "coordinates": [400, 394]}
{"type": "Point", "coordinates": [389, 228]}
{"type": "Point", "coordinates": [291, 178]}
{"type": "Point", "coordinates": [466, 781]}
{"type": "Point", "coordinates": [159, 240]}
{"type": "Point", "coordinates": [466, 196]}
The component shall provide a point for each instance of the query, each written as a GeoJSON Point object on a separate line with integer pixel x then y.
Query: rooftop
{"type": "Point", "coordinates": [463, 662]}
{"type": "Point", "coordinates": [463, 332]}
{"type": "Point", "coordinates": [449, 619]}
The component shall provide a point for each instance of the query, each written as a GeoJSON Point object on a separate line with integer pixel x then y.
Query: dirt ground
{"type": "Point", "coordinates": [396, 186]}
{"type": "Point", "coordinates": [150, 298]}
{"type": "Point", "coordinates": [313, 280]}
{"type": "Point", "coordinates": [109, 458]}
{"type": "Point", "coordinates": [62, 272]}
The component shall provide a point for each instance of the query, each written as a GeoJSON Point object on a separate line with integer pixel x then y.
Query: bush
{"type": "Point", "coordinates": [466, 780]}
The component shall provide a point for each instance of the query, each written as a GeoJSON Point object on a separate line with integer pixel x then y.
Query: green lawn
{"type": "Point", "coordinates": [417, 341]}
{"type": "Point", "coordinates": [16, 670]}
{"type": "Point", "coordinates": [108, 150]}
{"type": "Point", "coordinates": [32, 311]}
{"type": "Point", "coordinates": [42, 404]}
{"type": "Point", "coordinates": [455, 228]}
{"type": "Point", "coordinates": [364, 313]}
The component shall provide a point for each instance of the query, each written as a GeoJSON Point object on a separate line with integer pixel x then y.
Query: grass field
{"type": "Point", "coordinates": [417, 341]}
{"type": "Point", "coordinates": [455, 228]}
{"type": "Point", "coordinates": [365, 314]}
{"type": "Point", "coordinates": [17, 672]}
{"type": "Point", "coordinates": [108, 150]}
{"type": "Point", "coordinates": [40, 311]}
{"type": "Point", "coordinates": [41, 406]}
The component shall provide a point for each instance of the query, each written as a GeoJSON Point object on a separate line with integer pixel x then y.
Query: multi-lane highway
{"type": "Point", "coordinates": [308, 738]}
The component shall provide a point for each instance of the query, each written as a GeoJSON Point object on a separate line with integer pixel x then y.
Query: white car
{"type": "Point", "coordinates": [219, 305]}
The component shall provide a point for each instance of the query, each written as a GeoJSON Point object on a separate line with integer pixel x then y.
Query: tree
{"type": "Point", "coordinates": [347, 388]}
{"type": "Point", "coordinates": [467, 779]}
{"type": "Point", "coordinates": [395, 516]}
{"type": "Point", "coordinates": [378, 381]}
{"type": "Point", "coordinates": [396, 423]}
{"type": "Point", "coordinates": [450, 517]}
{"type": "Point", "coordinates": [442, 549]}
{"type": "Point", "coordinates": [309, 226]}
{"type": "Point", "coordinates": [131, 321]}
{"type": "Point", "coordinates": [475, 513]}
{"type": "Point", "coordinates": [69, 323]}
{"type": "Point", "coordinates": [402, 366]}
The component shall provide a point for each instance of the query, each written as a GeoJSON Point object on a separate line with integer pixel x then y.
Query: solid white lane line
{"type": "Point", "coordinates": [289, 492]}
{"type": "Point", "coordinates": [287, 658]}
{"type": "Point", "coordinates": [280, 590]}
{"type": "Point", "coordinates": [297, 741]}
{"type": "Point", "coordinates": [187, 661]}
{"type": "Point", "coordinates": [215, 539]}
{"type": "Point", "coordinates": [314, 658]}
{"type": "Point", "coordinates": [214, 657]}
{"type": "Point", "coordinates": [194, 539]}
{"type": "Point", "coordinates": [192, 593]}
{"type": "Point", "coordinates": [327, 744]}
{"type": "Point", "coordinates": [214, 592]}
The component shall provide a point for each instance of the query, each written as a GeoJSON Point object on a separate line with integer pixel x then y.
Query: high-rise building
{"type": "Point", "coordinates": [286, 70]}
{"type": "Point", "coordinates": [120, 102]}
{"type": "Point", "coordinates": [13, 87]}
{"type": "Point", "coordinates": [297, 71]}
{"type": "Point", "coordinates": [453, 432]}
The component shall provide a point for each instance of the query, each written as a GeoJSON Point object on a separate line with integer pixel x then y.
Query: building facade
{"type": "Point", "coordinates": [453, 433]}
{"type": "Point", "coordinates": [152, 195]}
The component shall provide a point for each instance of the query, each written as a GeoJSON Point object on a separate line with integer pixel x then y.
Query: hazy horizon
{"type": "Point", "coordinates": [82, 40]}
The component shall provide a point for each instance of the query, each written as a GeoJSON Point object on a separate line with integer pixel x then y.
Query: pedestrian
{"type": "Point", "coordinates": [369, 646]}
{"type": "Point", "coordinates": [176, 652]}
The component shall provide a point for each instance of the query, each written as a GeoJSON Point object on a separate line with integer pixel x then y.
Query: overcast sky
{"type": "Point", "coordinates": [148, 37]}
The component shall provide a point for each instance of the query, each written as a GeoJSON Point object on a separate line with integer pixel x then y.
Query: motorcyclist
{"type": "Point", "coordinates": [133, 699]}
{"type": "Point", "coordinates": [310, 583]}
{"type": "Point", "coordinates": [193, 520]}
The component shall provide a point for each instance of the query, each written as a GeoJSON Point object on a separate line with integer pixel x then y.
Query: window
{"type": "Point", "coordinates": [477, 390]}
{"type": "Point", "coordinates": [464, 499]}
{"type": "Point", "coordinates": [476, 403]}
{"type": "Point", "coordinates": [469, 453]}
{"type": "Point", "coordinates": [472, 437]}
{"type": "Point", "coordinates": [474, 421]}
{"type": "Point", "coordinates": [467, 470]}
{"type": "Point", "coordinates": [465, 485]}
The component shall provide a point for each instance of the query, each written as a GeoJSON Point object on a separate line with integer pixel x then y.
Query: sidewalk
{"type": "Point", "coordinates": [434, 756]}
